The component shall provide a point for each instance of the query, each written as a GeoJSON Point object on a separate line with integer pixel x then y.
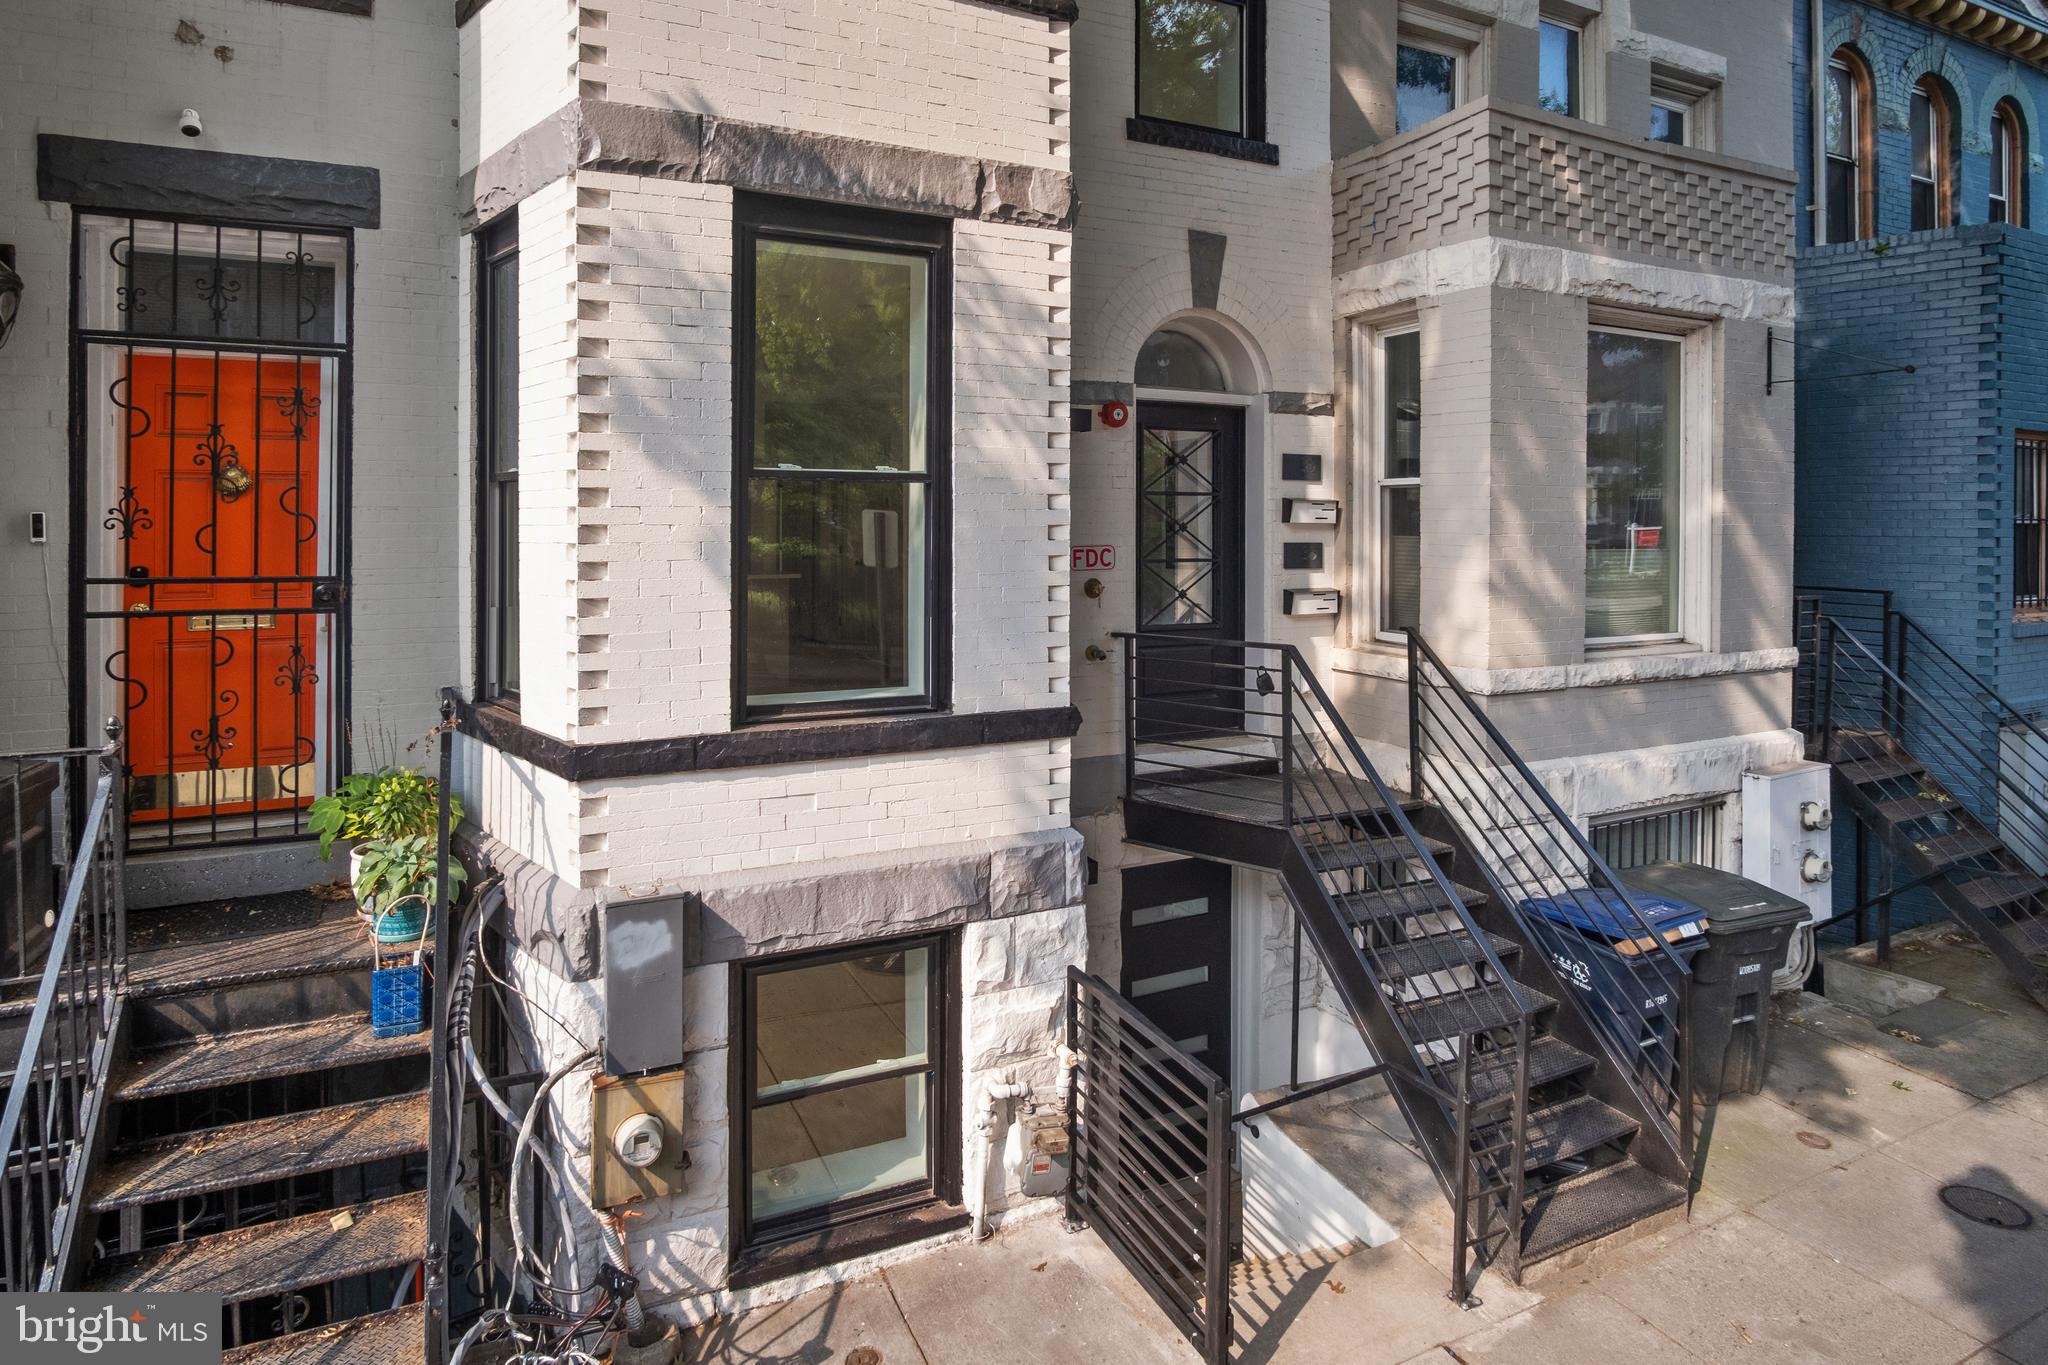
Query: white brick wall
{"type": "Point", "coordinates": [947, 76]}
{"type": "Point", "coordinates": [518, 64]}
{"type": "Point", "coordinates": [299, 83]}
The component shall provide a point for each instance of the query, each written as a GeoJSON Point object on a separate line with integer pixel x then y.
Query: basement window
{"type": "Point", "coordinates": [1677, 834]}
{"type": "Point", "coordinates": [843, 1068]}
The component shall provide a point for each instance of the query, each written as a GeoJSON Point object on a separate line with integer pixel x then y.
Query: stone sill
{"type": "Point", "coordinates": [1633, 666]}
{"type": "Point", "coordinates": [884, 1232]}
{"type": "Point", "coordinates": [1189, 139]}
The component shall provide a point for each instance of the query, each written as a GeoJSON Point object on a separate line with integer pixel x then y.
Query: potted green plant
{"type": "Point", "coordinates": [399, 874]}
{"type": "Point", "coordinates": [388, 803]}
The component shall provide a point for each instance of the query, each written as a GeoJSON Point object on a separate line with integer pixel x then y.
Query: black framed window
{"type": "Point", "coordinates": [497, 408]}
{"type": "Point", "coordinates": [1557, 67]}
{"type": "Point", "coordinates": [842, 422]}
{"type": "Point", "coordinates": [843, 1063]}
{"type": "Point", "coordinates": [1201, 63]}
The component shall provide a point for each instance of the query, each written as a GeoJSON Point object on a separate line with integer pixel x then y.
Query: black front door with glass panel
{"type": "Point", "coordinates": [1176, 939]}
{"type": "Point", "coordinates": [1190, 567]}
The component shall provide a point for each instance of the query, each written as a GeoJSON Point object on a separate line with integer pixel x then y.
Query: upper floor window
{"type": "Point", "coordinates": [1398, 462]}
{"type": "Point", "coordinates": [2008, 165]}
{"type": "Point", "coordinates": [1557, 67]}
{"type": "Point", "coordinates": [841, 426]}
{"type": "Point", "coordinates": [1849, 128]}
{"type": "Point", "coordinates": [1436, 65]}
{"type": "Point", "coordinates": [1669, 120]}
{"type": "Point", "coordinates": [497, 413]}
{"type": "Point", "coordinates": [1682, 108]}
{"type": "Point", "coordinates": [1933, 163]}
{"type": "Point", "coordinates": [1198, 64]}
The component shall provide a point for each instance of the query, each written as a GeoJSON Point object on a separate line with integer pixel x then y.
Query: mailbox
{"type": "Point", "coordinates": [1311, 601]}
{"type": "Point", "coordinates": [1310, 511]}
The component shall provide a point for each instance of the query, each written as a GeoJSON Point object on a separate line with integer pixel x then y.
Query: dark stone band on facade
{"type": "Point", "coordinates": [138, 178]}
{"type": "Point", "coordinates": [1288, 404]}
{"type": "Point", "coordinates": [1188, 139]}
{"type": "Point", "coordinates": [810, 742]}
{"type": "Point", "coordinates": [1063, 11]}
{"type": "Point", "coordinates": [360, 8]}
{"type": "Point", "coordinates": [668, 144]}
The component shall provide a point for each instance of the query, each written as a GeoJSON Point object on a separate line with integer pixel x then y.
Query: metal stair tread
{"type": "Point", "coordinates": [333, 945]}
{"type": "Point", "coordinates": [258, 1054]}
{"type": "Point", "coordinates": [1959, 846]}
{"type": "Point", "coordinates": [1399, 902]}
{"type": "Point", "coordinates": [272, 1258]}
{"type": "Point", "coordinates": [1594, 1206]}
{"type": "Point", "coordinates": [1428, 953]}
{"type": "Point", "coordinates": [214, 1159]}
{"type": "Point", "coordinates": [2000, 889]}
{"type": "Point", "coordinates": [1551, 1059]}
{"type": "Point", "coordinates": [2029, 935]}
{"type": "Point", "coordinates": [1433, 1018]}
{"type": "Point", "coordinates": [397, 1336]}
{"type": "Point", "coordinates": [1572, 1128]}
{"type": "Point", "coordinates": [1864, 771]}
{"type": "Point", "coordinates": [1919, 806]}
{"type": "Point", "coordinates": [1360, 850]}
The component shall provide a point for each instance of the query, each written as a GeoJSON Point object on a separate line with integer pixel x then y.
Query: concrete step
{"type": "Point", "coordinates": [1581, 1213]}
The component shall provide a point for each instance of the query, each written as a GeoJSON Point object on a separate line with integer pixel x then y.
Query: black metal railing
{"type": "Point", "coordinates": [1535, 857]}
{"type": "Point", "coordinates": [56, 1091]}
{"type": "Point", "coordinates": [1151, 1160]}
{"type": "Point", "coordinates": [1243, 731]}
{"type": "Point", "coordinates": [446, 1088]}
{"type": "Point", "coordinates": [1969, 748]}
{"type": "Point", "coordinates": [1863, 612]}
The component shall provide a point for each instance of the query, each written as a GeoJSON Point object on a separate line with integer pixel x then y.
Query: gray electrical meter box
{"type": "Point", "coordinates": [643, 984]}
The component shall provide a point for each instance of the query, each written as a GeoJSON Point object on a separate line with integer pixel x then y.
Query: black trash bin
{"type": "Point", "coordinates": [1616, 973]}
{"type": "Point", "coordinates": [1748, 927]}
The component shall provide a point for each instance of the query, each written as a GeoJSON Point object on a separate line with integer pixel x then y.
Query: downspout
{"type": "Point", "coordinates": [1816, 142]}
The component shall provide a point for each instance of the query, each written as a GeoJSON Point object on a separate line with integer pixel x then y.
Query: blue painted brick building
{"type": "Point", "coordinates": [1906, 481]}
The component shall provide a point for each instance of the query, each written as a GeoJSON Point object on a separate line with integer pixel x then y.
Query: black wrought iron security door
{"type": "Point", "coordinates": [210, 374]}
{"type": "Point", "coordinates": [1190, 566]}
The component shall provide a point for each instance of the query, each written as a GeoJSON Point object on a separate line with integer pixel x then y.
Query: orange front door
{"type": "Point", "coordinates": [224, 643]}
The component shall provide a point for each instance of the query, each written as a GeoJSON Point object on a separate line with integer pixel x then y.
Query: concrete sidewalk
{"type": "Point", "coordinates": [1818, 1234]}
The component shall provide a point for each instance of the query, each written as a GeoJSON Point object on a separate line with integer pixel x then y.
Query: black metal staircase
{"type": "Point", "coordinates": [1947, 775]}
{"type": "Point", "coordinates": [1509, 1093]}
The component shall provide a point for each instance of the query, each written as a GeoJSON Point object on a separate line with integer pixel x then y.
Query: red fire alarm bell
{"type": "Point", "coordinates": [1113, 415]}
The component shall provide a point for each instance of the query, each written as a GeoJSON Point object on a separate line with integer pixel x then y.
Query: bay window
{"type": "Point", "coordinates": [841, 419]}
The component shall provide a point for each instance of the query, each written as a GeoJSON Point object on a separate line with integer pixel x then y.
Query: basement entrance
{"type": "Point", "coordinates": [1191, 566]}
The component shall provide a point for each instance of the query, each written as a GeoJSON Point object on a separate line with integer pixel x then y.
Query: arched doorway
{"type": "Point", "coordinates": [1190, 531]}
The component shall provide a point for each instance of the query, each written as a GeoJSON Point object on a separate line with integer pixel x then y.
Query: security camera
{"type": "Point", "coordinates": [188, 123]}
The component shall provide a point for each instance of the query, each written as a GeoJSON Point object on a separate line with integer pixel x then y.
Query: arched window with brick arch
{"type": "Point", "coordinates": [1932, 124]}
{"type": "Point", "coordinates": [1850, 160]}
{"type": "Point", "coordinates": [2008, 165]}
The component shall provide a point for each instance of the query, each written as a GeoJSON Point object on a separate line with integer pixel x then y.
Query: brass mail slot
{"type": "Point", "coordinates": [233, 621]}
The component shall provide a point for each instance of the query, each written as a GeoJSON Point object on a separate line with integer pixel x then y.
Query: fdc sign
{"type": "Point", "coordinates": [1093, 558]}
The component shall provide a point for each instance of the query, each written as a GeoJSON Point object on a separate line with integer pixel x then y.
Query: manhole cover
{"type": "Point", "coordinates": [863, 1355]}
{"type": "Point", "coordinates": [1980, 1205]}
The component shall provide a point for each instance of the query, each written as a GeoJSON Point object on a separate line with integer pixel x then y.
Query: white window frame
{"type": "Point", "coordinates": [1585, 109]}
{"type": "Point", "coordinates": [1685, 111]}
{"type": "Point", "coordinates": [2005, 149]}
{"type": "Point", "coordinates": [1699, 550]}
{"type": "Point", "coordinates": [1852, 122]}
{"type": "Point", "coordinates": [1460, 39]}
{"type": "Point", "coordinates": [1461, 62]}
{"type": "Point", "coordinates": [1695, 97]}
{"type": "Point", "coordinates": [1376, 340]}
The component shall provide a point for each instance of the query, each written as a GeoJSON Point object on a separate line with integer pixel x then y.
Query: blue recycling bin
{"type": "Point", "coordinates": [1601, 958]}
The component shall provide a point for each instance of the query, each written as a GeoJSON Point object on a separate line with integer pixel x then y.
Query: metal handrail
{"type": "Point", "coordinates": [446, 1087]}
{"type": "Point", "coordinates": [59, 1082]}
{"type": "Point", "coordinates": [1594, 861]}
{"type": "Point", "coordinates": [1667, 1099]}
{"type": "Point", "coordinates": [1338, 783]}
